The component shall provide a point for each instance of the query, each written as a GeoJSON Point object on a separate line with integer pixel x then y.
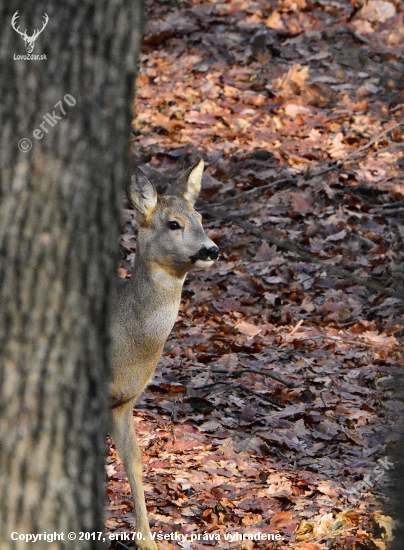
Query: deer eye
{"type": "Point", "coordinates": [174, 225]}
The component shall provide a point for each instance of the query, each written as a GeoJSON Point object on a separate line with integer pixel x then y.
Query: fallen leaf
{"type": "Point", "coordinates": [248, 329]}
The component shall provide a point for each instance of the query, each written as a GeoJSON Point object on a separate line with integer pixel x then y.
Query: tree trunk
{"type": "Point", "coordinates": [59, 226]}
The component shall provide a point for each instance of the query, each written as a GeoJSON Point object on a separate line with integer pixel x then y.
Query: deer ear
{"type": "Point", "coordinates": [141, 193]}
{"type": "Point", "coordinates": [189, 184]}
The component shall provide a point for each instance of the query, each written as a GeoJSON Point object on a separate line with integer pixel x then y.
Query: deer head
{"type": "Point", "coordinates": [29, 40]}
{"type": "Point", "coordinates": [171, 234]}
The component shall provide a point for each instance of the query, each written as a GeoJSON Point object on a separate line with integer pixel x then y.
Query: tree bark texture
{"type": "Point", "coordinates": [59, 226]}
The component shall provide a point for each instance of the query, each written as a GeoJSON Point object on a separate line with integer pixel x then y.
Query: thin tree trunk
{"type": "Point", "coordinates": [59, 225]}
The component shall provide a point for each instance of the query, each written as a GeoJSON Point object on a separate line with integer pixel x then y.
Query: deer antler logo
{"type": "Point", "coordinates": [29, 40]}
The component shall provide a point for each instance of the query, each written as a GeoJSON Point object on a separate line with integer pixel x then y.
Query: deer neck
{"type": "Point", "coordinates": [152, 282]}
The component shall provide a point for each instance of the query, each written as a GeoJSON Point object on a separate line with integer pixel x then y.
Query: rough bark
{"type": "Point", "coordinates": [59, 225]}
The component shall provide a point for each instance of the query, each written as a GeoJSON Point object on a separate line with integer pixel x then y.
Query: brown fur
{"type": "Point", "coordinates": [147, 308]}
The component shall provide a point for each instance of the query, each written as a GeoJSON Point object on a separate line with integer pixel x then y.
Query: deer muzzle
{"type": "Point", "coordinates": [206, 254]}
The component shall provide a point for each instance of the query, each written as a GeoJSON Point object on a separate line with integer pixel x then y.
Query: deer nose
{"type": "Point", "coordinates": [211, 253]}
{"type": "Point", "coordinates": [205, 254]}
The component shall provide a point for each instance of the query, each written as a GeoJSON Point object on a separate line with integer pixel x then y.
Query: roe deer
{"type": "Point", "coordinates": [170, 242]}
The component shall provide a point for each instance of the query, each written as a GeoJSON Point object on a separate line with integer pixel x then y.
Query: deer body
{"type": "Point", "coordinates": [170, 242]}
{"type": "Point", "coordinates": [146, 314]}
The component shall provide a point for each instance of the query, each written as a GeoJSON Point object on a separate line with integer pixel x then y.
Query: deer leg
{"type": "Point", "coordinates": [124, 436]}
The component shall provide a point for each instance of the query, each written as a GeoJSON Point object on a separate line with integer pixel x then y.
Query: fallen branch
{"type": "Point", "coordinates": [285, 244]}
{"type": "Point", "coordinates": [295, 328]}
{"type": "Point", "coordinates": [212, 385]}
{"type": "Point", "coordinates": [238, 373]}
{"type": "Point", "coordinates": [358, 342]}
{"type": "Point", "coordinates": [264, 397]}
{"type": "Point", "coordinates": [388, 206]}
{"type": "Point", "coordinates": [394, 212]}
{"type": "Point", "coordinates": [307, 174]}
{"type": "Point", "coordinates": [245, 388]}
{"type": "Point", "coordinates": [330, 33]}
{"type": "Point", "coordinates": [373, 140]}
{"type": "Point", "coordinates": [254, 190]}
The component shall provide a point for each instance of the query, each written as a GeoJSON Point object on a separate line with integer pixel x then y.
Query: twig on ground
{"type": "Point", "coordinates": [394, 212]}
{"type": "Point", "coordinates": [342, 340]}
{"type": "Point", "coordinates": [207, 386]}
{"type": "Point", "coordinates": [307, 174]}
{"type": "Point", "coordinates": [289, 246]}
{"type": "Point", "coordinates": [373, 140]}
{"type": "Point", "coordinates": [255, 371]}
{"type": "Point", "coordinates": [238, 373]}
{"type": "Point", "coordinates": [294, 329]}
{"type": "Point", "coordinates": [264, 397]}
{"type": "Point", "coordinates": [255, 190]}
{"type": "Point", "coordinates": [392, 205]}
{"type": "Point", "coordinates": [242, 387]}
{"type": "Point", "coordinates": [243, 492]}
{"type": "Point", "coordinates": [330, 33]}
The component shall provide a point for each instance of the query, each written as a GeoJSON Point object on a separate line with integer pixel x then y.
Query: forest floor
{"type": "Point", "coordinates": [299, 102]}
